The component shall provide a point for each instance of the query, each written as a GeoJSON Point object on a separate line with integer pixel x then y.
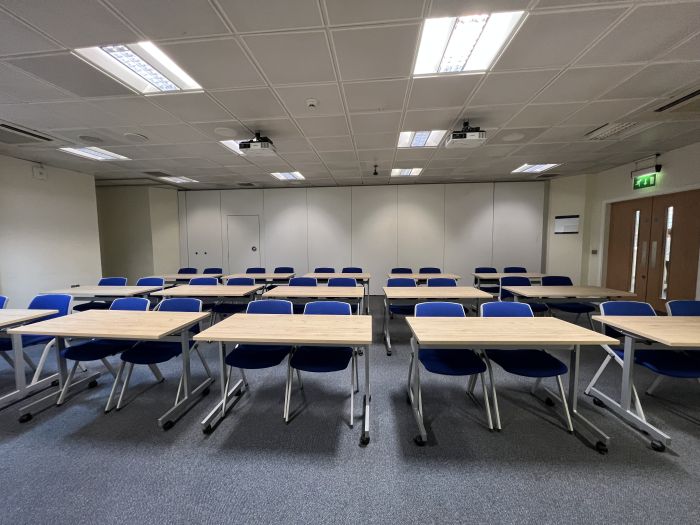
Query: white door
{"type": "Point", "coordinates": [243, 242]}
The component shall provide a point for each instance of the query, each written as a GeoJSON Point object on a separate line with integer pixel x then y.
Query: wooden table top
{"type": "Point", "coordinates": [502, 331]}
{"type": "Point", "coordinates": [364, 276]}
{"type": "Point", "coordinates": [350, 330]}
{"type": "Point", "coordinates": [11, 316]}
{"type": "Point", "coordinates": [667, 330]}
{"type": "Point", "coordinates": [106, 291]}
{"type": "Point", "coordinates": [496, 276]}
{"type": "Point", "coordinates": [114, 324]}
{"type": "Point", "coordinates": [262, 276]}
{"type": "Point", "coordinates": [214, 290]}
{"type": "Point", "coordinates": [580, 292]}
{"type": "Point", "coordinates": [187, 276]}
{"type": "Point", "coordinates": [425, 276]}
{"type": "Point", "coordinates": [435, 292]}
{"type": "Point", "coordinates": [326, 292]}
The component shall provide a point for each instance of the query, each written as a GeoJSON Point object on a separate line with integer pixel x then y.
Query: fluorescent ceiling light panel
{"type": "Point", "coordinates": [421, 139]}
{"type": "Point", "coordinates": [534, 168]}
{"type": "Point", "coordinates": [406, 172]}
{"type": "Point", "coordinates": [232, 145]}
{"type": "Point", "coordinates": [287, 175]}
{"type": "Point", "coordinates": [466, 43]}
{"type": "Point", "coordinates": [142, 66]}
{"type": "Point", "coordinates": [94, 153]}
{"type": "Point", "coordinates": [177, 180]}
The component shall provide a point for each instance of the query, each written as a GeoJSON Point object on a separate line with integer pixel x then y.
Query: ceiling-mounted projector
{"type": "Point", "coordinates": [257, 147]}
{"type": "Point", "coordinates": [467, 137]}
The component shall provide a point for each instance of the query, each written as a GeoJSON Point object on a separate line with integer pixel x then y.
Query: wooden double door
{"type": "Point", "coordinates": [654, 247]}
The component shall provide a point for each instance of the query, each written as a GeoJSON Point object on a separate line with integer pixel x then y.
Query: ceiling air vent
{"type": "Point", "coordinates": [246, 185]}
{"type": "Point", "coordinates": [618, 130]}
{"type": "Point", "coordinates": [10, 134]}
{"type": "Point", "coordinates": [547, 175]}
{"type": "Point", "coordinates": [157, 173]}
{"type": "Point", "coordinates": [682, 102]}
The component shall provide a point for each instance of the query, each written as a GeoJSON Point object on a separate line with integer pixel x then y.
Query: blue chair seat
{"type": "Point", "coordinates": [152, 352]}
{"type": "Point", "coordinates": [321, 358]}
{"type": "Point", "coordinates": [402, 309]}
{"type": "Point", "coordinates": [528, 363]}
{"type": "Point", "coordinates": [490, 289]}
{"type": "Point", "coordinates": [257, 356]}
{"type": "Point", "coordinates": [669, 363]}
{"type": "Point", "coordinates": [538, 308]}
{"type": "Point", "coordinates": [229, 308]}
{"type": "Point", "coordinates": [451, 361]}
{"type": "Point", "coordinates": [573, 308]}
{"type": "Point", "coordinates": [95, 349]}
{"type": "Point", "coordinates": [92, 305]}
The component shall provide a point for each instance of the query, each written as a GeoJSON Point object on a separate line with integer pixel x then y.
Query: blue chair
{"type": "Point", "coordinates": [444, 361]}
{"type": "Point", "coordinates": [442, 282]}
{"type": "Point", "coordinates": [100, 305]}
{"type": "Point", "coordinates": [684, 308]}
{"type": "Point", "coordinates": [213, 270]}
{"type": "Point", "coordinates": [342, 281]}
{"type": "Point", "coordinates": [323, 359]}
{"type": "Point", "coordinates": [514, 269]}
{"type": "Point", "coordinates": [324, 269]}
{"type": "Point", "coordinates": [401, 270]}
{"type": "Point", "coordinates": [490, 286]}
{"type": "Point", "coordinates": [429, 269]}
{"type": "Point", "coordinates": [527, 363]}
{"type": "Point", "coordinates": [256, 269]}
{"type": "Point", "coordinates": [101, 349]}
{"type": "Point", "coordinates": [151, 281]}
{"type": "Point", "coordinates": [284, 269]}
{"type": "Point", "coordinates": [505, 295]}
{"type": "Point", "coordinates": [574, 307]}
{"type": "Point", "coordinates": [187, 270]}
{"type": "Point", "coordinates": [3, 301]}
{"type": "Point", "coordinates": [58, 302]}
{"type": "Point", "coordinates": [351, 269]}
{"type": "Point", "coordinates": [225, 308]}
{"type": "Point", "coordinates": [400, 309]}
{"type": "Point", "coordinates": [204, 281]}
{"type": "Point", "coordinates": [303, 281]}
{"type": "Point", "coordinates": [153, 353]}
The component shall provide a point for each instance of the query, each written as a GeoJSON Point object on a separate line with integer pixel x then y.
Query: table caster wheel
{"type": "Point", "coordinates": [658, 446]}
{"type": "Point", "coordinates": [25, 418]}
{"type": "Point", "coordinates": [168, 425]}
{"type": "Point", "coordinates": [601, 447]}
{"type": "Point", "coordinates": [54, 382]}
{"type": "Point", "coordinates": [418, 440]}
{"type": "Point", "coordinates": [360, 352]}
{"type": "Point", "coordinates": [205, 392]}
{"type": "Point", "coordinates": [364, 440]}
{"type": "Point", "coordinates": [207, 430]}
{"type": "Point", "coordinates": [597, 402]}
{"type": "Point", "coordinates": [92, 384]}
{"type": "Point", "coordinates": [549, 402]}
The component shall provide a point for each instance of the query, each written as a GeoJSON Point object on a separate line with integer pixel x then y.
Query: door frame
{"type": "Point", "coordinates": [228, 247]}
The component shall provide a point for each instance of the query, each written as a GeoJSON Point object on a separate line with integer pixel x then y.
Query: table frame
{"type": "Point", "coordinates": [303, 299]}
{"type": "Point", "coordinates": [363, 278]}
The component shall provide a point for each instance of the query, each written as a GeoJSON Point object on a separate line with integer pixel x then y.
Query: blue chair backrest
{"type": "Point", "coordinates": [352, 269]}
{"type": "Point", "coordinates": [284, 269]}
{"type": "Point", "coordinates": [130, 303]}
{"type": "Point", "coordinates": [200, 281]}
{"type": "Point", "coordinates": [187, 269]}
{"type": "Point", "coordinates": [342, 281]}
{"type": "Point", "coordinates": [327, 308]}
{"type": "Point", "coordinates": [255, 269]}
{"type": "Point", "coordinates": [429, 269]}
{"type": "Point", "coordinates": [180, 304]}
{"type": "Point", "coordinates": [498, 309]}
{"type": "Point", "coordinates": [3, 301]}
{"type": "Point", "coordinates": [485, 269]}
{"type": "Point", "coordinates": [112, 281]}
{"type": "Point", "coordinates": [401, 281]}
{"type": "Point", "coordinates": [302, 281]}
{"type": "Point", "coordinates": [213, 270]}
{"type": "Point", "coordinates": [512, 281]}
{"type": "Point", "coordinates": [240, 281]}
{"type": "Point", "coordinates": [150, 281]}
{"type": "Point", "coordinates": [634, 308]}
{"type": "Point", "coordinates": [324, 269]}
{"type": "Point", "coordinates": [269, 306]}
{"type": "Point", "coordinates": [556, 280]}
{"type": "Point", "coordinates": [401, 270]}
{"type": "Point", "coordinates": [514, 269]}
{"type": "Point", "coordinates": [683, 307]}
{"type": "Point", "coordinates": [60, 302]}
{"type": "Point", "coordinates": [441, 281]}
{"type": "Point", "coordinates": [439, 309]}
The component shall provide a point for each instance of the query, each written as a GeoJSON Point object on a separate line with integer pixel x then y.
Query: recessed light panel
{"type": "Point", "coordinates": [142, 66]}
{"type": "Point", "coordinates": [287, 175]}
{"type": "Point", "coordinates": [534, 168]}
{"type": "Point", "coordinates": [406, 172]}
{"type": "Point", "coordinates": [177, 180]}
{"type": "Point", "coordinates": [420, 139]}
{"type": "Point", "coordinates": [94, 153]}
{"type": "Point", "coordinates": [465, 43]}
{"type": "Point", "coordinates": [232, 145]}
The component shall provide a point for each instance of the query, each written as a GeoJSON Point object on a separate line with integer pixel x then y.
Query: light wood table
{"type": "Point", "coordinates": [318, 330]}
{"type": "Point", "coordinates": [412, 295]}
{"type": "Point", "coordinates": [425, 276]}
{"type": "Point", "coordinates": [533, 276]}
{"type": "Point", "coordinates": [362, 277]}
{"type": "Point", "coordinates": [508, 333]}
{"type": "Point", "coordinates": [118, 324]}
{"type": "Point", "coordinates": [175, 277]}
{"type": "Point", "coordinates": [565, 292]}
{"type": "Point", "coordinates": [218, 290]}
{"type": "Point", "coordinates": [303, 293]}
{"type": "Point", "coordinates": [673, 333]}
{"type": "Point", "coordinates": [96, 292]}
{"type": "Point", "coordinates": [266, 277]}
{"type": "Point", "coordinates": [10, 318]}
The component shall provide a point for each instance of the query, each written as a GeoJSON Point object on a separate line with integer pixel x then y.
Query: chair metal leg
{"type": "Point", "coordinates": [353, 368]}
{"type": "Point", "coordinates": [120, 372]}
{"type": "Point", "coordinates": [301, 385]}
{"type": "Point", "coordinates": [410, 371]}
{"type": "Point", "coordinates": [487, 405]}
{"type": "Point", "coordinates": [597, 375]}
{"type": "Point", "coordinates": [493, 393]}
{"type": "Point", "coordinates": [109, 367]}
{"type": "Point", "coordinates": [535, 386]}
{"type": "Point", "coordinates": [357, 373]}
{"type": "Point", "coordinates": [245, 380]}
{"type": "Point", "coordinates": [569, 426]}
{"type": "Point", "coordinates": [654, 385]}
{"type": "Point", "coordinates": [29, 362]}
{"type": "Point", "coordinates": [66, 385]}
{"type": "Point", "coordinates": [129, 370]}
{"type": "Point", "coordinates": [471, 385]}
{"type": "Point", "coordinates": [288, 390]}
{"type": "Point", "coordinates": [156, 372]}
{"type": "Point", "coordinates": [42, 360]}
{"type": "Point", "coordinates": [179, 389]}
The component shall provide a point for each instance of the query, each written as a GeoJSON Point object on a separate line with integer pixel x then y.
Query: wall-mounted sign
{"type": "Point", "coordinates": [566, 224]}
{"type": "Point", "coordinates": [644, 181]}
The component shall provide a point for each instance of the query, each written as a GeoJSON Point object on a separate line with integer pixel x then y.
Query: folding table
{"type": "Point", "coordinates": [363, 278]}
{"type": "Point", "coordinates": [479, 276]}
{"type": "Point", "coordinates": [565, 292]}
{"type": "Point", "coordinates": [351, 294]}
{"type": "Point", "coordinates": [92, 292]}
{"type": "Point", "coordinates": [423, 277]}
{"type": "Point", "coordinates": [175, 277]}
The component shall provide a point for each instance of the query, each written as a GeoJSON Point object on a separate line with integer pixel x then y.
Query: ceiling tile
{"type": "Point", "coordinates": [276, 129]}
{"type": "Point", "coordinates": [342, 12]}
{"type": "Point", "coordinates": [228, 129]}
{"type": "Point", "coordinates": [323, 126]}
{"type": "Point", "coordinates": [441, 92]}
{"type": "Point", "coordinates": [542, 152]}
{"type": "Point", "coordinates": [656, 80]}
{"type": "Point", "coordinates": [440, 8]}
{"type": "Point", "coordinates": [302, 158]}
{"type": "Point", "coordinates": [564, 134]}
{"type": "Point", "coordinates": [327, 97]}
{"type": "Point", "coordinates": [292, 145]}
{"type": "Point", "coordinates": [415, 154]}
{"type": "Point", "coordinates": [191, 107]}
{"type": "Point", "coordinates": [136, 110]}
{"type": "Point", "coordinates": [376, 140]}
{"type": "Point", "coordinates": [508, 88]}
{"type": "Point", "coordinates": [391, 49]}
{"type": "Point", "coordinates": [215, 64]}
{"type": "Point", "coordinates": [376, 156]}
{"type": "Point", "coordinates": [293, 58]}
{"type": "Point", "coordinates": [25, 88]}
{"type": "Point", "coordinates": [645, 33]}
{"type": "Point", "coordinates": [172, 18]}
{"type": "Point", "coordinates": [543, 115]}
{"type": "Point", "coordinates": [338, 157]}
{"type": "Point", "coordinates": [343, 143]}
{"type": "Point", "coordinates": [271, 14]}
{"type": "Point", "coordinates": [375, 122]}
{"type": "Point", "coordinates": [430, 119]}
{"type": "Point", "coordinates": [251, 103]}
{"type": "Point", "coordinates": [584, 84]}
{"type": "Point", "coordinates": [513, 136]}
{"type": "Point", "coordinates": [490, 116]}
{"type": "Point", "coordinates": [383, 95]}
{"type": "Point", "coordinates": [15, 37]}
{"type": "Point", "coordinates": [572, 31]}
{"type": "Point", "coordinates": [602, 112]}
{"type": "Point", "coordinates": [173, 134]}
{"type": "Point", "coordinates": [689, 50]}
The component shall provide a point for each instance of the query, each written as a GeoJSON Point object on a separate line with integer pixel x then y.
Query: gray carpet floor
{"type": "Point", "coordinates": [75, 464]}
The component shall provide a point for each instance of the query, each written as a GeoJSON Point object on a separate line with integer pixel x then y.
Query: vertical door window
{"type": "Point", "coordinates": [635, 245]}
{"type": "Point", "coordinates": [668, 232]}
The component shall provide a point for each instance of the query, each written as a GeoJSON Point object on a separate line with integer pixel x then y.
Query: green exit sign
{"type": "Point", "coordinates": [644, 181]}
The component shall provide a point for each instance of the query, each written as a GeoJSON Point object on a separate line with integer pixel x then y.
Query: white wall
{"type": "Point", "coordinates": [375, 227]}
{"type": "Point", "coordinates": [165, 230]}
{"type": "Point", "coordinates": [48, 230]}
{"type": "Point", "coordinates": [567, 196]}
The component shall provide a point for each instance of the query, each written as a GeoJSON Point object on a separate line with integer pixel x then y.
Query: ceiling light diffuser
{"type": "Point", "coordinates": [534, 168]}
{"type": "Point", "coordinates": [143, 67]}
{"type": "Point", "coordinates": [94, 153]}
{"type": "Point", "coordinates": [232, 145]}
{"type": "Point", "coordinates": [177, 180]}
{"type": "Point", "coordinates": [287, 175]}
{"type": "Point", "coordinates": [465, 43]}
{"type": "Point", "coordinates": [406, 172]}
{"type": "Point", "coordinates": [421, 139]}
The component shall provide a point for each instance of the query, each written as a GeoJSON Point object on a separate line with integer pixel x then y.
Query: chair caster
{"type": "Point", "coordinates": [364, 440]}
{"type": "Point", "coordinates": [55, 382]}
{"type": "Point", "coordinates": [25, 418]}
{"type": "Point", "coordinates": [418, 440]}
{"type": "Point", "coordinates": [597, 402]}
{"type": "Point", "coordinates": [207, 430]}
{"type": "Point", "coordinates": [205, 392]}
{"type": "Point", "coordinates": [601, 447]}
{"type": "Point", "coordinates": [658, 446]}
{"type": "Point", "coordinates": [92, 384]}
{"type": "Point", "coordinates": [549, 402]}
{"type": "Point", "coordinates": [168, 425]}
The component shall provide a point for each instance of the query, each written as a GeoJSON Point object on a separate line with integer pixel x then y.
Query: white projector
{"type": "Point", "coordinates": [467, 137]}
{"type": "Point", "coordinates": [257, 147]}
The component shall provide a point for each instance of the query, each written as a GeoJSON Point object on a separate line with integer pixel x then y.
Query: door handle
{"type": "Point", "coordinates": [254, 248]}
{"type": "Point", "coordinates": [643, 261]}
{"type": "Point", "coordinates": [653, 254]}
